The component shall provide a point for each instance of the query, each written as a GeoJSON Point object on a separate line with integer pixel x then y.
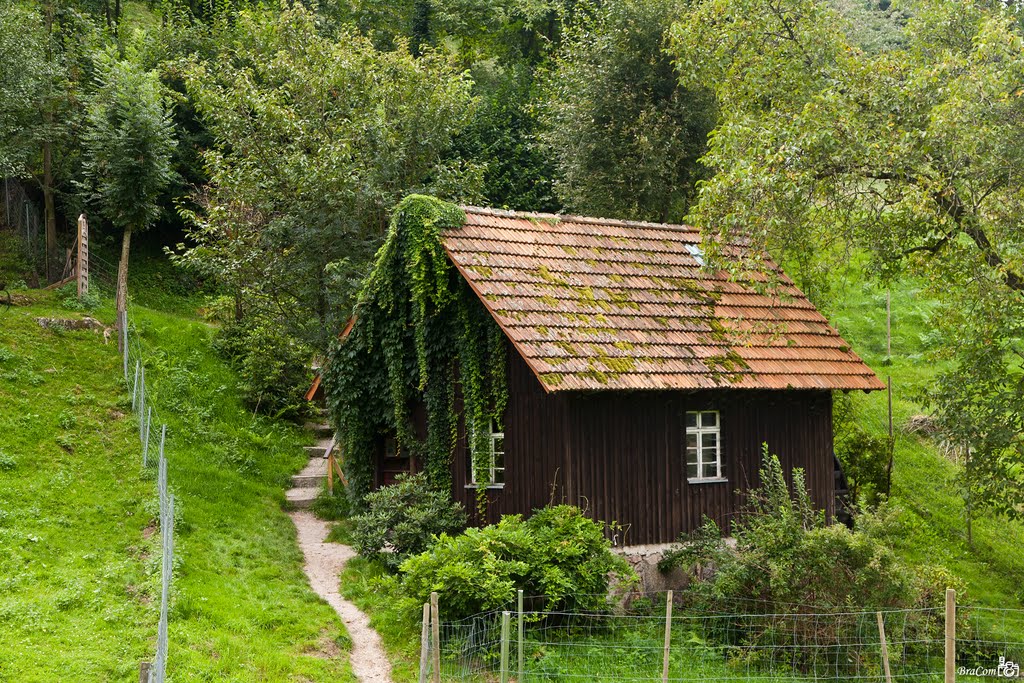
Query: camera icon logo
{"type": "Point", "coordinates": [1007, 668]}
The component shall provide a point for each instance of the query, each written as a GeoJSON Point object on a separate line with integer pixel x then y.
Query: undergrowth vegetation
{"type": "Point", "coordinates": [79, 574]}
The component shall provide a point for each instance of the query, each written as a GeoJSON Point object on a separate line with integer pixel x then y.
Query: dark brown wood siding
{"type": "Point", "coordinates": [620, 455]}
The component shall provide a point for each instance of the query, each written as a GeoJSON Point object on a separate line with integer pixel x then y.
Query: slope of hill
{"type": "Point", "coordinates": [928, 523]}
{"type": "Point", "coordinates": [79, 572]}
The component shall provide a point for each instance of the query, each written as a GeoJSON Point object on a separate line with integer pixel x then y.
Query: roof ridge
{"type": "Point", "coordinates": [572, 218]}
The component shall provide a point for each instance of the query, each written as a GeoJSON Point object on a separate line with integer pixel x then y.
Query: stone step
{"type": "Point", "coordinates": [302, 498]}
{"type": "Point", "coordinates": [319, 428]}
{"type": "Point", "coordinates": [316, 451]}
{"type": "Point", "coordinates": [308, 481]}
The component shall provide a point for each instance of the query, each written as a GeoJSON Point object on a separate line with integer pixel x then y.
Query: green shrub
{"type": "Point", "coordinates": [70, 300]}
{"type": "Point", "coordinates": [785, 554]}
{"type": "Point", "coordinates": [403, 519]}
{"type": "Point", "coordinates": [786, 560]}
{"type": "Point", "coordinates": [558, 553]}
{"type": "Point", "coordinates": [864, 456]}
{"type": "Point", "coordinates": [7, 462]}
{"type": "Point", "coordinates": [273, 368]}
{"type": "Point", "coordinates": [332, 507]}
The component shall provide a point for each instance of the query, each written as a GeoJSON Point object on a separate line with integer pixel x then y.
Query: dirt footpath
{"type": "Point", "coordinates": [324, 562]}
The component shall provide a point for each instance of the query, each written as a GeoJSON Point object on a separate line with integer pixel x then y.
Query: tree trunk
{"type": "Point", "coordinates": [122, 272]}
{"type": "Point", "coordinates": [238, 305]}
{"type": "Point", "coordinates": [53, 260]}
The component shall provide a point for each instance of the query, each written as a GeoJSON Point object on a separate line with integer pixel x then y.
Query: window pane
{"type": "Point", "coordinates": [709, 419]}
{"type": "Point", "coordinates": [691, 470]}
{"type": "Point", "coordinates": [709, 440]}
{"type": "Point", "coordinates": [691, 440]}
{"type": "Point", "coordinates": [499, 476]}
{"type": "Point", "coordinates": [499, 444]}
{"type": "Point", "coordinates": [710, 470]}
{"type": "Point", "coordinates": [691, 420]}
{"type": "Point", "coordinates": [691, 456]}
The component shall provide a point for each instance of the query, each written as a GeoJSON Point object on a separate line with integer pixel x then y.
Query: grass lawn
{"type": "Point", "coordinates": [79, 570]}
{"type": "Point", "coordinates": [930, 526]}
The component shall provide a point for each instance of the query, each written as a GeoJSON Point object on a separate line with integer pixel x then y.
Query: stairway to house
{"type": "Point", "coordinates": [306, 484]}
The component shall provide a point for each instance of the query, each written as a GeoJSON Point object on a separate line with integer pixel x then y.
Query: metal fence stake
{"type": "Point", "coordinates": [519, 640]}
{"type": "Point", "coordinates": [668, 637]}
{"type": "Point", "coordinates": [145, 439]}
{"type": "Point", "coordinates": [950, 636]}
{"type": "Point", "coordinates": [163, 437]}
{"type": "Point", "coordinates": [435, 624]}
{"type": "Point", "coordinates": [505, 617]}
{"type": "Point", "coordinates": [135, 385]}
{"type": "Point", "coordinates": [425, 643]}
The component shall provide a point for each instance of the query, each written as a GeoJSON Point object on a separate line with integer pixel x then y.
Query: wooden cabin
{"type": "Point", "coordinates": [642, 384]}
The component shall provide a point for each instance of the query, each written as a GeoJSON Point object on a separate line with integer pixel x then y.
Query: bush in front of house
{"type": "Point", "coordinates": [786, 554]}
{"type": "Point", "coordinates": [558, 553]}
{"type": "Point", "coordinates": [786, 563]}
{"type": "Point", "coordinates": [403, 519]}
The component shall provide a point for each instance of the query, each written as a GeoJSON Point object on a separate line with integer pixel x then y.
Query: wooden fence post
{"type": "Point", "coordinates": [435, 624]}
{"type": "Point", "coordinates": [425, 643]}
{"type": "Point", "coordinates": [505, 617]}
{"type": "Point", "coordinates": [519, 640]}
{"type": "Point", "coordinates": [122, 341]}
{"type": "Point", "coordinates": [82, 267]}
{"type": "Point", "coordinates": [668, 636]}
{"type": "Point", "coordinates": [885, 648]}
{"type": "Point", "coordinates": [144, 672]}
{"type": "Point", "coordinates": [330, 473]}
{"type": "Point", "coordinates": [950, 636]}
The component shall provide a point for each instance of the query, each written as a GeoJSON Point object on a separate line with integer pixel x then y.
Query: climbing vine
{"type": "Point", "coordinates": [420, 332]}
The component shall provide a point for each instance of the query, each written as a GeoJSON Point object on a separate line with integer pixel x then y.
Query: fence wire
{"type": "Point", "coordinates": [795, 644]}
{"type": "Point", "coordinates": [152, 438]}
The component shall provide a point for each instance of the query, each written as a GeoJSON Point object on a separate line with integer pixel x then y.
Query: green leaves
{"type": "Point", "coordinates": [416, 318]}
{"type": "Point", "coordinates": [128, 142]}
{"type": "Point", "coordinates": [318, 137]}
{"type": "Point", "coordinates": [624, 135]}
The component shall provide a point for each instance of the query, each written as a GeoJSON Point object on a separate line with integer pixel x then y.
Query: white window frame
{"type": "Point", "coordinates": [492, 439]}
{"type": "Point", "coordinates": [700, 430]}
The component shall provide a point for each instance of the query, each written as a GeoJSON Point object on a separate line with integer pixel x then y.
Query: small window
{"type": "Point", "coordinates": [391, 449]}
{"type": "Point", "coordinates": [703, 447]}
{"type": "Point", "coordinates": [495, 462]}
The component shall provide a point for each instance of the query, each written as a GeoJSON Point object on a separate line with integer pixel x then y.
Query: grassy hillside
{"type": "Point", "coordinates": [929, 524]}
{"type": "Point", "coordinates": [79, 574]}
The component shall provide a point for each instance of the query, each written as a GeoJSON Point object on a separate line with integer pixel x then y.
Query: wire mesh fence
{"type": "Point", "coordinates": [152, 437]}
{"type": "Point", "coordinates": [648, 642]}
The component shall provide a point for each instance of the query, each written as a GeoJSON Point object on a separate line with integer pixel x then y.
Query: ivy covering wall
{"type": "Point", "coordinates": [421, 335]}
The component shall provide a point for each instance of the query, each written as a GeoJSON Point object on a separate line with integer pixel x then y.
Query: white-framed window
{"type": "Point", "coordinates": [494, 468]}
{"type": "Point", "coordinates": [703, 446]}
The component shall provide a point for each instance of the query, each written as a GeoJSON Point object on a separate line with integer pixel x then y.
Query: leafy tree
{"type": "Point", "coordinates": [503, 136]}
{"type": "Point", "coordinates": [129, 142]}
{"type": "Point", "coordinates": [911, 155]}
{"type": "Point", "coordinates": [32, 90]}
{"type": "Point", "coordinates": [625, 136]}
{"type": "Point", "coordinates": [316, 139]}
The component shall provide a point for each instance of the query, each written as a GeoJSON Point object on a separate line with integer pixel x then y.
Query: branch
{"type": "Point", "coordinates": [1012, 279]}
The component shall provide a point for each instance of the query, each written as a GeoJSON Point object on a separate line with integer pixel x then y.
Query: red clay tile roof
{"type": "Point", "coordinates": [595, 304]}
